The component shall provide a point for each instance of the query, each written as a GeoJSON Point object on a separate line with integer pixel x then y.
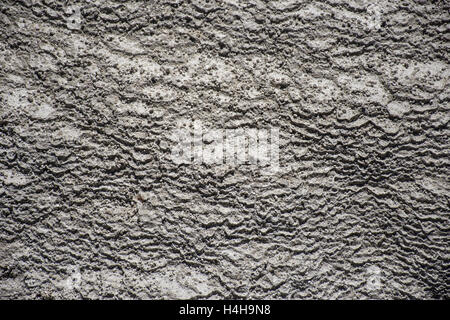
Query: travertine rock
{"type": "Point", "coordinates": [92, 206]}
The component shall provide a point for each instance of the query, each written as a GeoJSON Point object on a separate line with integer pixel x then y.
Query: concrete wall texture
{"type": "Point", "coordinates": [92, 204]}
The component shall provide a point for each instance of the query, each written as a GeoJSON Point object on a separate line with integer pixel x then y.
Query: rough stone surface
{"type": "Point", "coordinates": [91, 205]}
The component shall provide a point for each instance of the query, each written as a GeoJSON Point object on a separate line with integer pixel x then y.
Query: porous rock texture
{"type": "Point", "coordinates": [92, 205]}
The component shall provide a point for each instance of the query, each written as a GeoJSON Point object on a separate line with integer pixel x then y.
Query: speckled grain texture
{"type": "Point", "coordinates": [91, 205]}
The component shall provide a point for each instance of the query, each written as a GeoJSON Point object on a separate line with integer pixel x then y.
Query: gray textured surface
{"type": "Point", "coordinates": [91, 206]}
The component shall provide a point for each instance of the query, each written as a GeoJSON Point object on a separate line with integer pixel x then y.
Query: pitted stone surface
{"type": "Point", "coordinates": [92, 206]}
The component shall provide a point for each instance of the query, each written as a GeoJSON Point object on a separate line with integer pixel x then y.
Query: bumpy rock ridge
{"type": "Point", "coordinates": [91, 205]}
